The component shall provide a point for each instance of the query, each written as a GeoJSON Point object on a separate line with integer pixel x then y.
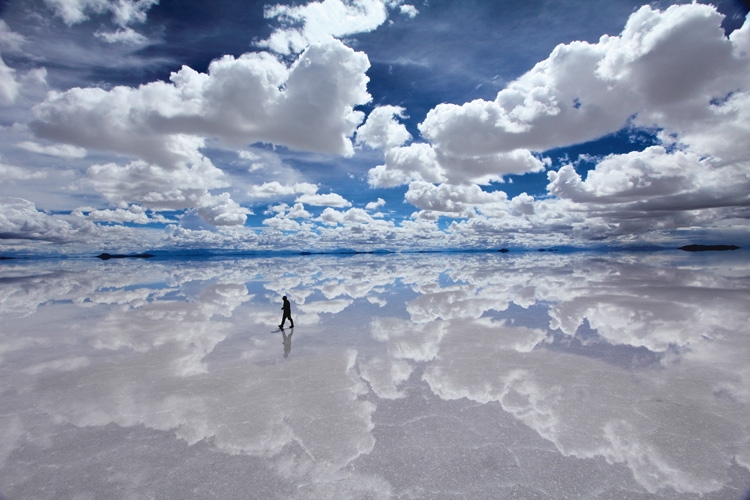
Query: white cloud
{"type": "Point", "coordinates": [374, 205]}
{"type": "Point", "coordinates": [404, 164]}
{"type": "Point", "coordinates": [652, 74]}
{"type": "Point", "coordinates": [9, 86]}
{"type": "Point", "coordinates": [154, 186]}
{"type": "Point", "coordinates": [221, 210]}
{"type": "Point", "coordinates": [285, 215]}
{"type": "Point", "coordinates": [381, 130]}
{"type": "Point", "coordinates": [191, 235]}
{"type": "Point", "coordinates": [123, 35]}
{"type": "Point", "coordinates": [275, 188]}
{"type": "Point", "coordinates": [59, 365]}
{"type": "Point", "coordinates": [490, 168]}
{"type": "Point", "coordinates": [353, 216]}
{"type": "Point", "coordinates": [423, 162]}
{"type": "Point", "coordinates": [20, 219]}
{"type": "Point", "coordinates": [665, 67]}
{"type": "Point", "coordinates": [452, 200]}
{"type": "Point", "coordinates": [158, 188]}
{"type": "Point", "coordinates": [653, 189]}
{"type": "Point", "coordinates": [123, 12]}
{"type": "Point", "coordinates": [409, 10]}
{"type": "Point", "coordinates": [25, 228]}
{"type": "Point", "coordinates": [134, 213]}
{"type": "Point", "coordinates": [11, 172]}
{"type": "Point", "coordinates": [675, 70]}
{"type": "Point", "coordinates": [316, 22]}
{"type": "Point", "coordinates": [641, 175]}
{"type": "Point", "coordinates": [331, 216]}
{"type": "Point", "coordinates": [523, 204]}
{"type": "Point", "coordinates": [296, 211]}
{"type": "Point", "coordinates": [324, 200]}
{"type": "Point", "coordinates": [254, 98]}
{"type": "Point", "coordinates": [9, 40]}
{"type": "Point", "coordinates": [58, 150]}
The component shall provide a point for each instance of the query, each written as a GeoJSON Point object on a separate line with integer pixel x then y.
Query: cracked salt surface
{"type": "Point", "coordinates": [407, 376]}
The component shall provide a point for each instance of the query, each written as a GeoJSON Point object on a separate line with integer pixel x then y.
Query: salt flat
{"type": "Point", "coordinates": [486, 375]}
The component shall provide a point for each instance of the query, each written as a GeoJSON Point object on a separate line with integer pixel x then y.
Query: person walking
{"type": "Point", "coordinates": [287, 307]}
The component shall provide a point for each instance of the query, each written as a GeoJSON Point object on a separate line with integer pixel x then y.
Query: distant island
{"type": "Point", "coordinates": [708, 248]}
{"type": "Point", "coordinates": [107, 256]}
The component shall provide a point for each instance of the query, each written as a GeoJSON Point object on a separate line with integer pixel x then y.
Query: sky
{"type": "Point", "coordinates": [137, 125]}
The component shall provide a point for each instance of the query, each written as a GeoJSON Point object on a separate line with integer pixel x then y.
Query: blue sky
{"type": "Point", "coordinates": [372, 124]}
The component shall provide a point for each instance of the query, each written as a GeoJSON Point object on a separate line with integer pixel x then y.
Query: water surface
{"type": "Point", "coordinates": [406, 376]}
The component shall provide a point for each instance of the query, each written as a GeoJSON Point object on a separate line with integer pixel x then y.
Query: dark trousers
{"type": "Point", "coordinates": [284, 318]}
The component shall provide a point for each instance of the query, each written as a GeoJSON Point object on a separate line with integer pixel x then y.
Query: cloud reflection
{"type": "Point", "coordinates": [186, 348]}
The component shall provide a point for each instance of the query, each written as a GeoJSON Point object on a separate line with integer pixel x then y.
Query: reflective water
{"type": "Point", "coordinates": [406, 376]}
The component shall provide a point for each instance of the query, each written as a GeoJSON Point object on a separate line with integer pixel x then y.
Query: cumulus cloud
{"type": "Point", "coordinates": [274, 188]}
{"type": "Point", "coordinates": [134, 214]}
{"type": "Point", "coordinates": [158, 188]}
{"type": "Point", "coordinates": [315, 22]}
{"type": "Point", "coordinates": [454, 201]}
{"type": "Point", "coordinates": [656, 191]}
{"type": "Point", "coordinates": [221, 210]}
{"type": "Point", "coordinates": [492, 168]}
{"type": "Point", "coordinates": [351, 216]}
{"type": "Point", "coordinates": [665, 67]}
{"type": "Point", "coordinates": [381, 130]}
{"type": "Point", "coordinates": [296, 211]}
{"type": "Point", "coordinates": [673, 71]}
{"type": "Point", "coordinates": [404, 164]}
{"type": "Point", "coordinates": [284, 218]}
{"type": "Point", "coordinates": [654, 179]}
{"type": "Point", "coordinates": [356, 228]}
{"type": "Point", "coordinates": [374, 205]}
{"type": "Point", "coordinates": [409, 10]}
{"type": "Point", "coordinates": [154, 186]}
{"type": "Point", "coordinates": [324, 200]}
{"type": "Point", "coordinates": [20, 219]}
{"type": "Point", "coordinates": [308, 105]}
{"type": "Point", "coordinates": [422, 161]}
{"type": "Point", "coordinates": [24, 228]}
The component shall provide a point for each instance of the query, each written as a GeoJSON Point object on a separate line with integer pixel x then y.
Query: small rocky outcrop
{"type": "Point", "coordinates": [708, 248]}
{"type": "Point", "coordinates": [107, 256]}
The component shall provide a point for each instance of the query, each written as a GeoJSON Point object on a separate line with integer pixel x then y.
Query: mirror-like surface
{"type": "Point", "coordinates": [406, 376]}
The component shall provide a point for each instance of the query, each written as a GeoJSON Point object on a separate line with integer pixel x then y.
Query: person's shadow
{"type": "Point", "coordinates": [287, 341]}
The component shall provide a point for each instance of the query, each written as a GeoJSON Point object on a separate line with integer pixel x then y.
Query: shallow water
{"type": "Point", "coordinates": [406, 376]}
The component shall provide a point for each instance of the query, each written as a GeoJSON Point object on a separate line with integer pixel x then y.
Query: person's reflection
{"type": "Point", "coordinates": [287, 341]}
